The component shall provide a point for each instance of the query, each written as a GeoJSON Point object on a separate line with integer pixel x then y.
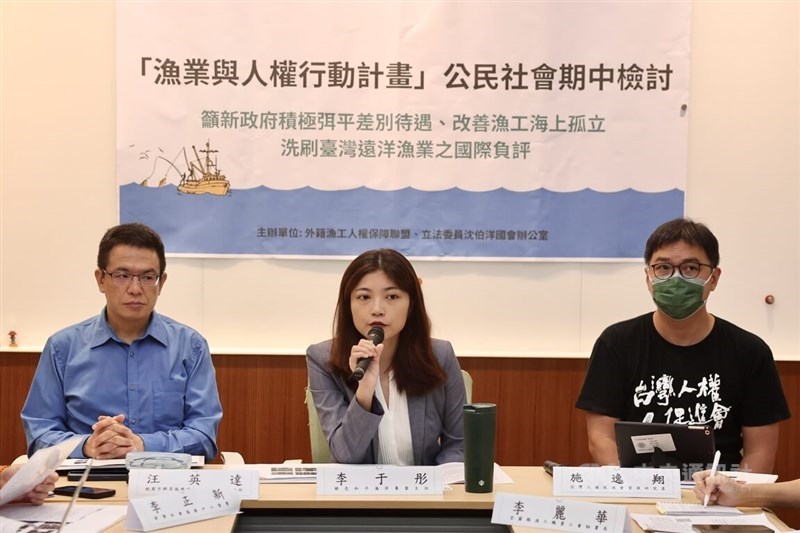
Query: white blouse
{"type": "Point", "coordinates": [394, 431]}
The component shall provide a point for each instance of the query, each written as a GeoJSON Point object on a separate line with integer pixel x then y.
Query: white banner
{"type": "Point", "coordinates": [462, 129]}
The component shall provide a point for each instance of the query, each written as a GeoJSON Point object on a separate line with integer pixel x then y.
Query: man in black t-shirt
{"type": "Point", "coordinates": [682, 365]}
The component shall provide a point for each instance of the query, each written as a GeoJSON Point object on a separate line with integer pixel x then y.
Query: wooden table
{"type": "Point", "coordinates": [296, 500]}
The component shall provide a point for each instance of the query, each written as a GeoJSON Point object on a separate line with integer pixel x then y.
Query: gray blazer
{"type": "Point", "coordinates": [437, 418]}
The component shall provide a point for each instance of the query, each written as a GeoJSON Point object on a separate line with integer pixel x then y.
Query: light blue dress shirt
{"type": "Point", "coordinates": [164, 383]}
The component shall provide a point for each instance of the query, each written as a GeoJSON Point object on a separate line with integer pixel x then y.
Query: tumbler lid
{"type": "Point", "coordinates": [480, 408]}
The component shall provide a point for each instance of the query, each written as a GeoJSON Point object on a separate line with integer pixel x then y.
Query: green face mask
{"type": "Point", "coordinates": [679, 297]}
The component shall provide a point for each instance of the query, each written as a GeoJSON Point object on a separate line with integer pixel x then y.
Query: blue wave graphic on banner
{"type": "Point", "coordinates": [542, 224]}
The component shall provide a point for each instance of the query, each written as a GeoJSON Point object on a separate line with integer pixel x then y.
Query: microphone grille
{"type": "Point", "coordinates": [375, 335]}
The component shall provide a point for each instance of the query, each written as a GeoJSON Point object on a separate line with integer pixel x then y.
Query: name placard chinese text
{"type": "Point", "coordinates": [147, 482]}
{"type": "Point", "coordinates": [617, 482]}
{"type": "Point", "coordinates": [564, 515]}
{"type": "Point", "coordinates": [343, 480]}
{"type": "Point", "coordinates": [166, 510]}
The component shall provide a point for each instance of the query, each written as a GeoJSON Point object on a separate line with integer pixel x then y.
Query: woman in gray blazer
{"type": "Point", "coordinates": [408, 407]}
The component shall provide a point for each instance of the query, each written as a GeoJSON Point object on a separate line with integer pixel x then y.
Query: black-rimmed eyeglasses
{"type": "Point", "coordinates": [689, 270]}
{"type": "Point", "coordinates": [121, 277]}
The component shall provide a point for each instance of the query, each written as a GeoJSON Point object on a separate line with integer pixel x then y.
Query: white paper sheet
{"type": "Point", "coordinates": [744, 477]}
{"type": "Point", "coordinates": [752, 477]}
{"type": "Point", "coordinates": [667, 524]}
{"type": "Point", "coordinates": [692, 509]}
{"type": "Point", "coordinates": [82, 518]}
{"type": "Point", "coordinates": [453, 474]}
{"type": "Point", "coordinates": [36, 469]}
{"type": "Point", "coordinates": [678, 524]}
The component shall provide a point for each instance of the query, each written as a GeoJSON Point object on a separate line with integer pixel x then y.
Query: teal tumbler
{"type": "Point", "coordinates": [479, 429]}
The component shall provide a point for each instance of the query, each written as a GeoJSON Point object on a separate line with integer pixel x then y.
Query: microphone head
{"type": "Point", "coordinates": [375, 335]}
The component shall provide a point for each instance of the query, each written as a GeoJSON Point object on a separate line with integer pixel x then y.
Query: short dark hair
{"type": "Point", "coordinates": [686, 230]}
{"type": "Point", "coordinates": [133, 234]}
{"type": "Point", "coordinates": [415, 367]}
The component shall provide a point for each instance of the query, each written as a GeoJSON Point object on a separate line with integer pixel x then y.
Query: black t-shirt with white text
{"type": "Point", "coordinates": [728, 380]}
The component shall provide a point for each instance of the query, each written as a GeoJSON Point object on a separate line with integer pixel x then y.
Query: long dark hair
{"type": "Point", "coordinates": [416, 370]}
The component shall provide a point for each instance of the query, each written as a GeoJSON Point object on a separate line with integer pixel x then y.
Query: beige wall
{"type": "Point", "coordinates": [58, 194]}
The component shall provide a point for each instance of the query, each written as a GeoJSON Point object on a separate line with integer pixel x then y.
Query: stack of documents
{"type": "Point", "coordinates": [679, 523]}
{"type": "Point", "coordinates": [744, 477]}
{"type": "Point", "coordinates": [691, 509]}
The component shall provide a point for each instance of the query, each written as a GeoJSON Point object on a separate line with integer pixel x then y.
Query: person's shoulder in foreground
{"type": "Point", "coordinates": [724, 490]}
{"type": "Point", "coordinates": [129, 378]}
{"type": "Point", "coordinates": [405, 371]}
{"type": "Point", "coordinates": [636, 360]}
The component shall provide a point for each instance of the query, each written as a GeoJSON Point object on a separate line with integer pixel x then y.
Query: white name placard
{"type": "Point", "coordinates": [147, 482]}
{"type": "Point", "coordinates": [617, 482]}
{"type": "Point", "coordinates": [343, 480]}
{"type": "Point", "coordinates": [564, 515]}
{"type": "Point", "coordinates": [167, 510]}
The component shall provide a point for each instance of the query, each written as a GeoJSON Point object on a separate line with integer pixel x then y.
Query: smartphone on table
{"type": "Point", "coordinates": [94, 493]}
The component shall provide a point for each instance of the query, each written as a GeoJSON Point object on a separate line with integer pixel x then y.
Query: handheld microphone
{"type": "Point", "coordinates": [549, 465]}
{"type": "Point", "coordinates": [376, 336]}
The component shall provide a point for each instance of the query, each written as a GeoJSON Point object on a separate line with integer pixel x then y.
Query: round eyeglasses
{"type": "Point", "coordinates": [689, 270]}
{"type": "Point", "coordinates": [121, 277]}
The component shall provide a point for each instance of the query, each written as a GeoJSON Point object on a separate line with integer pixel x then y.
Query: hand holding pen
{"type": "Point", "coordinates": [714, 468]}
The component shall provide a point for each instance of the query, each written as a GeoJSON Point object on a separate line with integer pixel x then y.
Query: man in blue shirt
{"type": "Point", "coordinates": [128, 379]}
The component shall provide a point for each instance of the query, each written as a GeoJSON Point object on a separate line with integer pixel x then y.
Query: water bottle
{"type": "Point", "coordinates": [479, 428]}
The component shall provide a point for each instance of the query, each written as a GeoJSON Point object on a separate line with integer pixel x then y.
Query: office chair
{"type": "Point", "coordinates": [467, 384]}
{"type": "Point", "coordinates": [320, 453]}
{"type": "Point", "coordinates": [232, 458]}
